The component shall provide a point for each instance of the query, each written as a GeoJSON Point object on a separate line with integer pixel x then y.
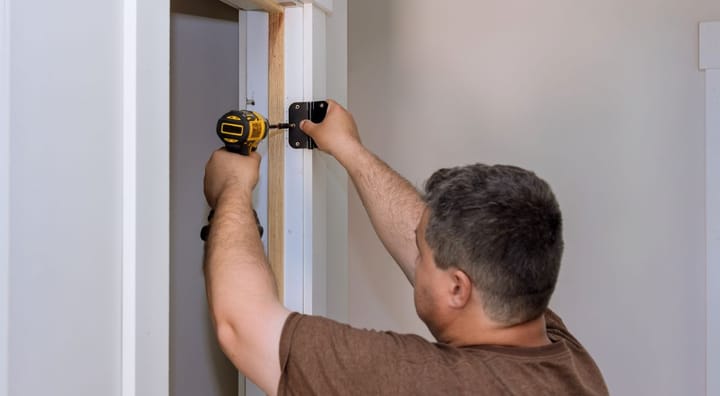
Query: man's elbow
{"type": "Point", "coordinates": [228, 338]}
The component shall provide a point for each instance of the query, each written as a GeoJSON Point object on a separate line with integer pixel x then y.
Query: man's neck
{"type": "Point", "coordinates": [479, 330]}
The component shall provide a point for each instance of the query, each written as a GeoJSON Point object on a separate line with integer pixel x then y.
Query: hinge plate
{"type": "Point", "coordinates": [298, 111]}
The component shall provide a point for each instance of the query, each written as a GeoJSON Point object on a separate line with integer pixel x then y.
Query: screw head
{"type": "Point", "coordinates": [297, 106]}
{"type": "Point", "coordinates": [297, 144]}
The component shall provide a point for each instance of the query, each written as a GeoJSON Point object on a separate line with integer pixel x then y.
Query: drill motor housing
{"type": "Point", "coordinates": [242, 130]}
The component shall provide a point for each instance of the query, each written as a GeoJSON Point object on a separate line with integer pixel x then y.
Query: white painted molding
{"type": "Point", "coordinates": [710, 45]}
{"type": "Point", "coordinates": [324, 5]}
{"type": "Point", "coordinates": [146, 199]}
{"type": "Point", "coordinates": [4, 194]}
{"type": "Point", "coordinates": [129, 204]}
{"type": "Point", "coordinates": [294, 194]}
{"type": "Point", "coordinates": [304, 262]}
{"type": "Point", "coordinates": [304, 81]}
{"type": "Point", "coordinates": [710, 62]}
{"type": "Point", "coordinates": [152, 200]}
{"type": "Point", "coordinates": [307, 192]}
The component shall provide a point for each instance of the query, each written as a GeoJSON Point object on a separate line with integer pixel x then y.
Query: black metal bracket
{"type": "Point", "coordinates": [313, 111]}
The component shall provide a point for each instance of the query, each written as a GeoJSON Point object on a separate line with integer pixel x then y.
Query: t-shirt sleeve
{"type": "Point", "coordinates": [323, 357]}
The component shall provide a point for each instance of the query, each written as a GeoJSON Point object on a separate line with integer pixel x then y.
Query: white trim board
{"type": "Point", "coordinates": [324, 5]}
{"type": "Point", "coordinates": [710, 63]}
{"type": "Point", "coordinates": [146, 198]}
{"type": "Point", "coordinates": [152, 217]}
{"type": "Point", "coordinates": [294, 199]}
{"type": "Point", "coordinates": [4, 194]}
{"type": "Point", "coordinates": [129, 209]}
{"type": "Point", "coordinates": [305, 233]}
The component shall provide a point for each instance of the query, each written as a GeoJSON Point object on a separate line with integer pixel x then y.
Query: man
{"type": "Point", "coordinates": [481, 248]}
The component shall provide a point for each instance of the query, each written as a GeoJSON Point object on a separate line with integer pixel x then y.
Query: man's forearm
{"type": "Point", "coordinates": [242, 293]}
{"type": "Point", "coordinates": [235, 262]}
{"type": "Point", "coordinates": [392, 203]}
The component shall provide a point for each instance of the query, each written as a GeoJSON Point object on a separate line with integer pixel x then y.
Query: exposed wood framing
{"type": "Point", "coordinates": [276, 148]}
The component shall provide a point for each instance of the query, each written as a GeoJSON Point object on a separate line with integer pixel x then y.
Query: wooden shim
{"type": "Point", "coordinates": [276, 148]}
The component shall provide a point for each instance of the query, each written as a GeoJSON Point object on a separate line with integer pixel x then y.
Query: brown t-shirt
{"type": "Point", "coordinates": [319, 356]}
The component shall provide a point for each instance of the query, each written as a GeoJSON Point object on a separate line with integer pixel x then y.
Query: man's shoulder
{"type": "Point", "coordinates": [323, 356]}
{"type": "Point", "coordinates": [321, 330]}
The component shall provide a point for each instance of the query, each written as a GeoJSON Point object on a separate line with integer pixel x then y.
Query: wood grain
{"type": "Point", "coordinates": [276, 148]}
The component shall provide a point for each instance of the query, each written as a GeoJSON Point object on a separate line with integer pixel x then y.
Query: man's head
{"type": "Point", "coordinates": [501, 227]}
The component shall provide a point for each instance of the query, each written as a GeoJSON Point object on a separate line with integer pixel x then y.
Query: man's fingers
{"type": "Point", "coordinates": [308, 126]}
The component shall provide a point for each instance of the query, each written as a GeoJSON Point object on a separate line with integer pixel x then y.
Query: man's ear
{"type": "Point", "coordinates": [460, 288]}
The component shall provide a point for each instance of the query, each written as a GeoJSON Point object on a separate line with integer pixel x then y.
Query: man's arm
{"type": "Point", "coordinates": [241, 289]}
{"type": "Point", "coordinates": [392, 203]}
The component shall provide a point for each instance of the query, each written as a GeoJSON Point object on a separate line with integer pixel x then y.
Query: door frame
{"type": "Point", "coordinates": [285, 56]}
{"type": "Point", "coordinates": [710, 63]}
{"type": "Point", "coordinates": [296, 56]}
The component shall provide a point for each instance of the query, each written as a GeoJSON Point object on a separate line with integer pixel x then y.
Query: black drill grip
{"type": "Point", "coordinates": [205, 231]}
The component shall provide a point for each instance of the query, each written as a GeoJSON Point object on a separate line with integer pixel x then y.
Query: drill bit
{"type": "Point", "coordinates": [282, 125]}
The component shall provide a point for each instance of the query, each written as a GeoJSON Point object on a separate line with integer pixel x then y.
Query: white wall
{"type": "Point", "coordinates": [605, 101]}
{"type": "Point", "coordinates": [65, 197]}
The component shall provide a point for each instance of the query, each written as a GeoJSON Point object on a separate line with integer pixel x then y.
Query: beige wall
{"type": "Point", "coordinates": [605, 101]}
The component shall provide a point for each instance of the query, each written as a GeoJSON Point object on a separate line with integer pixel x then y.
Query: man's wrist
{"type": "Point", "coordinates": [236, 194]}
{"type": "Point", "coordinates": [349, 152]}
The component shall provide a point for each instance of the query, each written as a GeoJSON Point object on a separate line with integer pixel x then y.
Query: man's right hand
{"type": "Point", "coordinates": [337, 135]}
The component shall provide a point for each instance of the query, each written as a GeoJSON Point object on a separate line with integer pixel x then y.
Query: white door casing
{"type": "Point", "coordinates": [145, 274]}
{"type": "Point", "coordinates": [710, 63]}
{"type": "Point", "coordinates": [146, 198]}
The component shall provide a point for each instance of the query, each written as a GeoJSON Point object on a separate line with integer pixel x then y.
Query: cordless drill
{"type": "Point", "coordinates": [241, 131]}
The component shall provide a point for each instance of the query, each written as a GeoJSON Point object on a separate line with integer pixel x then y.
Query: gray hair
{"type": "Point", "coordinates": [502, 226]}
